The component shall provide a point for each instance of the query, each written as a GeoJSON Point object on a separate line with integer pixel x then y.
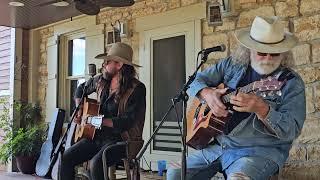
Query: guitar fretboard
{"type": "Point", "coordinates": [245, 89]}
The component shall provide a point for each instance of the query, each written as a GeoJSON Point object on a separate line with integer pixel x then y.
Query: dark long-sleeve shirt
{"type": "Point", "coordinates": [109, 108]}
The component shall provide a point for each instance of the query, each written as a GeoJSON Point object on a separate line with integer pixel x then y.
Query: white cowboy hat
{"type": "Point", "coordinates": [267, 35]}
{"type": "Point", "coordinates": [119, 52]}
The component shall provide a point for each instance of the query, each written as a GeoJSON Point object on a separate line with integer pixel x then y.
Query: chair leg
{"type": "Point", "coordinates": [112, 172]}
{"type": "Point", "coordinates": [136, 171]}
{"type": "Point", "coordinates": [127, 168]}
{"type": "Point", "coordinates": [108, 172]}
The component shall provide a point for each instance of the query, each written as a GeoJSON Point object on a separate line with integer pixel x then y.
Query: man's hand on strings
{"type": "Point", "coordinates": [212, 97]}
{"type": "Point", "coordinates": [250, 103]}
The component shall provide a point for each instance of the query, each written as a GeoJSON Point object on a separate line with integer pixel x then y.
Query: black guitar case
{"type": "Point", "coordinates": [54, 133]}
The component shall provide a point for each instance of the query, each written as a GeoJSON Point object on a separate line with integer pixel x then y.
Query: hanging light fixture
{"type": "Point", "coordinates": [229, 7]}
{"type": "Point", "coordinates": [61, 4]}
{"type": "Point", "coordinates": [16, 3]}
{"type": "Point", "coordinates": [225, 5]}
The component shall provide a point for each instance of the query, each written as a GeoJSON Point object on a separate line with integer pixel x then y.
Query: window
{"type": "Point", "coordinates": [76, 67]}
{"type": "Point", "coordinates": [71, 69]}
{"type": "Point", "coordinates": [77, 57]}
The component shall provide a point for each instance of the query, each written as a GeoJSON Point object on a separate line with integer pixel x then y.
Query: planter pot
{"type": "Point", "coordinates": [26, 164]}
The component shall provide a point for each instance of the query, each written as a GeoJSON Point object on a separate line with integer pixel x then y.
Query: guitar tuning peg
{"type": "Point", "coordinates": [279, 93]}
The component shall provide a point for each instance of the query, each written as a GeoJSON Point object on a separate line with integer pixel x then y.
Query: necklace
{"type": "Point", "coordinates": [115, 84]}
{"type": "Point", "coordinates": [111, 90]}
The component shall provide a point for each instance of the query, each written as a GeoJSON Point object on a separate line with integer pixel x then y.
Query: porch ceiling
{"type": "Point", "coordinates": [32, 16]}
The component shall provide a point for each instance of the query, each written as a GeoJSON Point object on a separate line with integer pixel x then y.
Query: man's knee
{"type": "Point", "coordinates": [95, 162]}
{"type": "Point", "coordinates": [238, 176]}
{"type": "Point", "coordinates": [67, 158]}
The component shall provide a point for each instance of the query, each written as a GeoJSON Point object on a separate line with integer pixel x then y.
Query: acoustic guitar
{"type": "Point", "coordinates": [43, 163]}
{"type": "Point", "coordinates": [77, 132]}
{"type": "Point", "coordinates": [86, 129]}
{"type": "Point", "coordinates": [202, 124]}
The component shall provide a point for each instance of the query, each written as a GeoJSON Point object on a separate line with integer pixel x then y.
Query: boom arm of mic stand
{"type": "Point", "coordinates": [180, 96]}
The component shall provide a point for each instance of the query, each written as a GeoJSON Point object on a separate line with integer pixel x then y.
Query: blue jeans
{"type": "Point", "coordinates": [199, 167]}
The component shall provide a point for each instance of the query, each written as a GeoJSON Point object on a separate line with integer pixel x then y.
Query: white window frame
{"type": "Point", "coordinates": [64, 78]}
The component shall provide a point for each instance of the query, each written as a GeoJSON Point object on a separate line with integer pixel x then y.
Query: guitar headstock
{"type": "Point", "coordinates": [268, 85]}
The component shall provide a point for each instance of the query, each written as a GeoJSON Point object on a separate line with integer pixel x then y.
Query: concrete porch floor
{"type": "Point", "coordinates": [19, 176]}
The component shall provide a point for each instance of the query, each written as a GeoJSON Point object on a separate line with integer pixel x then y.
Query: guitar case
{"type": "Point", "coordinates": [55, 130]}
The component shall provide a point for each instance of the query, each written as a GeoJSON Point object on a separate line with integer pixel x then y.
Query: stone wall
{"type": "Point", "coordinates": [301, 17]}
{"type": "Point", "coordinates": [43, 72]}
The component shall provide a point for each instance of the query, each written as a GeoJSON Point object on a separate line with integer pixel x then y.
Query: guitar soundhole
{"type": "Point", "coordinates": [196, 114]}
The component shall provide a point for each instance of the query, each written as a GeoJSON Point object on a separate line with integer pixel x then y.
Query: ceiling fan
{"type": "Point", "coordinates": [59, 3]}
{"type": "Point", "coordinates": [117, 3]}
{"type": "Point", "coordinates": [89, 7]}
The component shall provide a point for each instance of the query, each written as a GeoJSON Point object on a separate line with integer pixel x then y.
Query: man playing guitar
{"type": "Point", "coordinates": [122, 100]}
{"type": "Point", "coordinates": [256, 141]}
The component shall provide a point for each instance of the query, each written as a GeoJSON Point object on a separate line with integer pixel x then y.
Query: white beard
{"type": "Point", "coordinates": [265, 67]}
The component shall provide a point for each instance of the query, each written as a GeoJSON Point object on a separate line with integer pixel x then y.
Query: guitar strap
{"type": "Point", "coordinates": [284, 74]}
{"type": "Point", "coordinates": [133, 136]}
{"type": "Point", "coordinates": [135, 130]}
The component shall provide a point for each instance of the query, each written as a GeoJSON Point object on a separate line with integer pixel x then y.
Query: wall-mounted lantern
{"type": "Point", "coordinates": [214, 14]}
{"type": "Point", "coordinates": [217, 9]}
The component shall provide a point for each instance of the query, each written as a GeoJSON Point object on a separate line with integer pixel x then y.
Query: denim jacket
{"type": "Point", "coordinates": [251, 137]}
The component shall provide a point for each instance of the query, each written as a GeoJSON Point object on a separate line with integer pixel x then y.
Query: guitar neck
{"type": "Point", "coordinates": [245, 89]}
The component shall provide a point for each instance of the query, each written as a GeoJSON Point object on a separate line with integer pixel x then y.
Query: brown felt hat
{"type": "Point", "coordinates": [119, 52]}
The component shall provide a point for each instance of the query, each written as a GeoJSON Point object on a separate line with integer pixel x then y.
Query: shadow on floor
{"type": "Point", "coordinates": [19, 176]}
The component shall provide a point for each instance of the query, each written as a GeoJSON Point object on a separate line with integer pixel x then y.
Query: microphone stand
{"type": "Point", "coordinates": [182, 95]}
{"type": "Point", "coordinates": [62, 141]}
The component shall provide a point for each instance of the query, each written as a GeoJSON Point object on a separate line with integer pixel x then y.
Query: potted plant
{"type": "Point", "coordinates": [24, 142]}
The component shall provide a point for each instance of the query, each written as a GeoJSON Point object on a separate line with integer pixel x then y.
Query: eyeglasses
{"type": "Point", "coordinates": [271, 54]}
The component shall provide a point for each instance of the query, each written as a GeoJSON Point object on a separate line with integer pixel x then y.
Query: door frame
{"type": "Point", "coordinates": [191, 28]}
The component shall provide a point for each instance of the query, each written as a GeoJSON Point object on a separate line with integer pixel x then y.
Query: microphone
{"type": "Point", "coordinates": [92, 70]}
{"type": "Point", "coordinates": [221, 48]}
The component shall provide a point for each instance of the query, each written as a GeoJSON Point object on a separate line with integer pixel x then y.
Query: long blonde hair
{"type": "Point", "coordinates": [242, 56]}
